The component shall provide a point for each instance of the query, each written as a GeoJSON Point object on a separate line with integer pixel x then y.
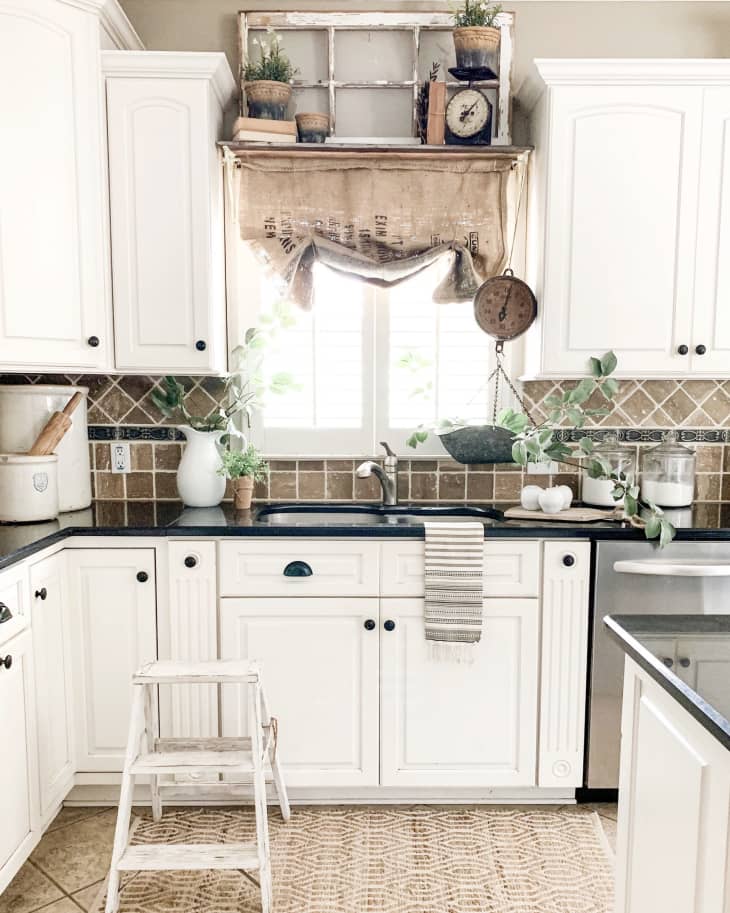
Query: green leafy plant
{"type": "Point", "coordinates": [243, 390]}
{"type": "Point", "coordinates": [477, 12]}
{"type": "Point", "coordinates": [247, 463]}
{"type": "Point", "coordinates": [537, 444]}
{"type": "Point", "coordinates": [272, 64]}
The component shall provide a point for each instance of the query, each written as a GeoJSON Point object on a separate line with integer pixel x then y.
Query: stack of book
{"type": "Point", "coordinates": [263, 130]}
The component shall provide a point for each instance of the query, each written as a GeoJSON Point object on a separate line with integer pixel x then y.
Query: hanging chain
{"type": "Point", "coordinates": [517, 220]}
{"type": "Point", "coordinates": [499, 372]}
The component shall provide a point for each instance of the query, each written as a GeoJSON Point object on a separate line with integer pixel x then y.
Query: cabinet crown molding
{"type": "Point", "coordinates": [212, 66]}
{"type": "Point", "coordinates": [618, 71]}
{"type": "Point", "coordinates": [119, 29]}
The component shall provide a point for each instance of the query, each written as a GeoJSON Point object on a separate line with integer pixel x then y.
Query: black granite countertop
{"type": "Point", "coordinates": [170, 518]}
{"type": "Point", "coordinates": [648, 640]}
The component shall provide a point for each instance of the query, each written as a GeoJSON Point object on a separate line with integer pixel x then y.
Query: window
{"type": "Point", "coordinates": [368, 365]}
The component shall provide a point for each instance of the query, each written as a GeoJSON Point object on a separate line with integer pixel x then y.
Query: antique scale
{"type": "Point", "coordinates": [469, 111]}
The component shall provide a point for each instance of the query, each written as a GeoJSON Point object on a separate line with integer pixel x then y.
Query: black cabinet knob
{"type": "Point", "coordinates": [700, 349]}
{"type": "Point", "coordinates": [683, 349]}
{"type": "Point", "coordinates": [298, 569]}
{"type": "Point", "coordinates": [190, 561]}
{"type": "Point", "coordinates": [93, 341]}
{"type": "Point", "coordinates": [569, 560]}
{"type": "Point", "coordinates": [684, 662]}
{"type": "Point", "coordinates": [143, 576]}
{"type": "Point", "coordinates": [200, 345]}
{"type": "Point", "coordinates": [389, 625]}
{"type": "Point", "coordinates": [369, 624]}
{"type": "Point", "coordinates": [42, 593]}
{"type": "Point", "coordinates": [6, 661]}
{"type": "Point", "coordinates": [668, 661]}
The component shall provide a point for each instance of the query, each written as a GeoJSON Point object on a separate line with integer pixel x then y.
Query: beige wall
{"type": "Point", "coordinates": [543, 28]}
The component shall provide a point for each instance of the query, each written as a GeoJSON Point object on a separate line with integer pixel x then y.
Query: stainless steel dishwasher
{"type": "Point", "coordinates": [637, 578]}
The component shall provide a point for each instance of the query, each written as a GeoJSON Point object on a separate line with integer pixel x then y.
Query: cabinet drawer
{"type": "Point", "coordinates": [256, 568]}
{"type": "Point", "coordinates": [511, 568]}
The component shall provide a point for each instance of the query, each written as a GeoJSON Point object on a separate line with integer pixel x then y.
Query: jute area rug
{"type": "Point", "coordinates": [365, 859]}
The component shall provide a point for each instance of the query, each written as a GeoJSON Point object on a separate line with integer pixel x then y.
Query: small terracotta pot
{"type": "Point", "coordinates": [267, 98]}
{"type": "Point", "coordinates": [477, 46]}
{"type": "Point", "coordinates": [242, 493]}
{"type": "Point", "coordinates": [313, 128]}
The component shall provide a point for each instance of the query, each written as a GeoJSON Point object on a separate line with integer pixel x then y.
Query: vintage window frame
{"type": "Point", "coordinates": [415, 23]}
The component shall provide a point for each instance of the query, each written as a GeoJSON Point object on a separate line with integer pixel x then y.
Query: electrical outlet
{"type": "Point", "coordinates": [120, 456]}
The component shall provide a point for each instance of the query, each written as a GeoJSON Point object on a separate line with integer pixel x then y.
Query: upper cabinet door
{"type": "Point", "coordinates": [621, 227]}
{"type": "Point", "coordinates": [54, 301]}
{"type": "Point", "coordinates": [712, 282]}
{"type": "Point", "coordinates": [166, 213]}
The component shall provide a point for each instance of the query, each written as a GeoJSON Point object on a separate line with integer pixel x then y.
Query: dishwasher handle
{"type": "Point", "coordinates": [687, 568]}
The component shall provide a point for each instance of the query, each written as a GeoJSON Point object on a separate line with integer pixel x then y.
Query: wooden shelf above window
{"type": "Point", "coordinates": [320, 150]}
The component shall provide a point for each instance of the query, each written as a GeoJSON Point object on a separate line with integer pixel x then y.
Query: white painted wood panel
{"type": "Point", "coordinates": [621, 226]}
{"type": "Point", "coordinates": [19, 795]}
{"type": "Point", "coordinates": [114, 621]}
{"type": "Point", "coordinates": [14, 595]}
{"type": "Point", "coordinates": [712, 282]}
{"type": "Point", "coordinates": [191, 633]}
{"type": "Point", "coordinates": [164, 118]}
{"type": "Point", "coordinates": [674, 804]}
{"type": "Point", "coordinates": [54, 291]}
{"type": "Point", "coordinates": [511, 568]}
{"type": "Point", "coordinates": [255, 567]}
{"type": "Point", "coordinates": [564, 655]}
{"type": "Point", "coordinates": [460, 724]}
{"type": "Point", "coordinates": [53, 685]}
{"type": "Point", "coordinates": [320, 672]}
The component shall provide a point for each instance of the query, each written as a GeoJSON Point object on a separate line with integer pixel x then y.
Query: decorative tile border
{"type": "Point", "coordinates": [134, 433]}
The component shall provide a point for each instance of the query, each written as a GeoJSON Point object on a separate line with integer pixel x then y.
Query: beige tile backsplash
{"type": "Point", "coordinates": [125, 402]}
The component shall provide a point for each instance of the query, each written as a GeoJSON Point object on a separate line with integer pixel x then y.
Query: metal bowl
{"type": "Point", "coordinates": [479, 444]}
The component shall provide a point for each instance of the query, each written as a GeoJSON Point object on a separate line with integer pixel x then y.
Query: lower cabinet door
{"type": "Point", "coordinates": [18, 794]}
{"type": "Point", "coordinates": [469, 724]}
{"type": "Point", "coordinates": [51, 648]}
{"type": "Point", "coordinates": [113, 610]}
{"type": "Point", "coordinates": [320, 671]}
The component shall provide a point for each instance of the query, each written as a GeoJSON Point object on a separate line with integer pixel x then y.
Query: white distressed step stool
{"type": "Point", "coordinates": [252, 758]}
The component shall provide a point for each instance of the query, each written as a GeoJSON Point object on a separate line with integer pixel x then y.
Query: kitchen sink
{"type": "Point", "coordinates": [369, 514]}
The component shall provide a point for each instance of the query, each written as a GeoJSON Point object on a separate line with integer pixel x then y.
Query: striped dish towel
{"type": "Point", "coordinates": [454, 569]}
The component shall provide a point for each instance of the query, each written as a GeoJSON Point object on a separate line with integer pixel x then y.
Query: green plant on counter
{"type": "Point", "coordinates": [536, 444]}
{"type": "Point", "coordinates": [272, 64]}
{"type": "Point", "coordinates": [243, 390]}
{"type": "Point", "coordinates": [247, 463]}
{"type": "Point", "coordinates": [477, 12]}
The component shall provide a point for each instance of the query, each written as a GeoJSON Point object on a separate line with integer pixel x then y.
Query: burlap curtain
{"type": "Point", "coordinates": [382, 218]}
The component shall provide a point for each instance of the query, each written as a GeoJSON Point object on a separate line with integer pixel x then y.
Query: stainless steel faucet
{"type": "Point", "coordinates": [387, 475]}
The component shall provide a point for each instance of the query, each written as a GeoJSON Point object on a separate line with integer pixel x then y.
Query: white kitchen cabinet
{"type": "Point", "coordinates": [19, 793]}
{"type": "Point", "coordinates": [628, 171]}
{"type": "Point", "coordinates": [164, 117]}
{"type": "Point", "coordinates": [712, 283]}
{"type": "Point", "coordinates": [55, 305]}
{"type": "Point", "coordinates": [188, 630]}
{"type": "Point", "coordinates": [113, 618]}
{"type": "Point", "coordinates": [459, 724]}
{"type": "Point", "coordinates": [320, 672]}
{"type": "Point", "coordinates": [673, 806]}
{"type": "Point", "coordinates": [53, 686]}
{"type": "Point", "coordinates": [563, 661]}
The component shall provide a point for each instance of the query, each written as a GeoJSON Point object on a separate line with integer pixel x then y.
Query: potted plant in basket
{"type": "Point", "coordinates": [243, 468]}
{"type": "Point", "coordinates": [476, 37]}
{"type": "Point", "coordinates": [268, 80]}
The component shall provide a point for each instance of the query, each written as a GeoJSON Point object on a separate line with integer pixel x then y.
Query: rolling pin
{"type": "Point", "coordinates": [55, 428]}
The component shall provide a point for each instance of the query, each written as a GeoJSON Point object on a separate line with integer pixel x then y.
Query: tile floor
{"type": "Point", "coordinates": [66, 869]}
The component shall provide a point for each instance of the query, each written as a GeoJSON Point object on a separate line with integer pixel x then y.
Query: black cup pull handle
{"type": "Point", "coordinates": [190, 561]}
{"type": "Point", "coordinates": [5, 613]}
{"type": "Point", "coordinates": [298, 569]}
{"type": "Point", "coordinates": [42, 593]}
{"type": "Point", "coordinates": [6, 661]}
{"type": "Point", "coordinates": [389, 625]}
{"type": "Point", "coordinates": [143, 576]}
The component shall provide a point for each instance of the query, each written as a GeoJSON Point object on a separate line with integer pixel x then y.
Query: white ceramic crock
{"type": "Point", "coordinates": [28, 488]}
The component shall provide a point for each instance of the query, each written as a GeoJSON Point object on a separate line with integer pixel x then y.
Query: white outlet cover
{"type": "Point", "coordinates": [120, 456]}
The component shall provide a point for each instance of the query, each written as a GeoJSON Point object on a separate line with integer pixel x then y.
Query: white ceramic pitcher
{"type": "Point", "coordinates": [198, 480]}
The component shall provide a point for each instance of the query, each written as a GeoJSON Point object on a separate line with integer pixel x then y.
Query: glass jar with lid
{"type": "Point", "coordinates": [668, 473]}
{"type": "Point", "coordinates": [616, 457]}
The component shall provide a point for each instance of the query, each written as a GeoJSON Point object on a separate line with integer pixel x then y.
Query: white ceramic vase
{"type": "Point", "coordinates": [198, 480]}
